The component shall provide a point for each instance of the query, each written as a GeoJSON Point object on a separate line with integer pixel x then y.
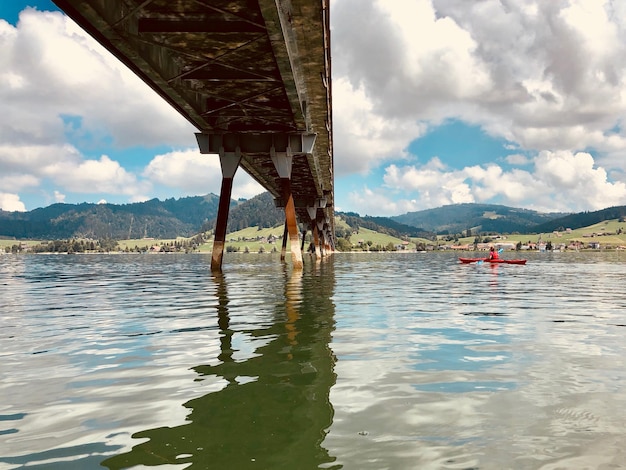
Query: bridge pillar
{"type": "Point", "coordinates": [283, 251]}
{"type": "Point", "coordinates": [312, 210]}
{"type": "Point", "coordinates": [283, 163]}
{"type": "Point", "coordinates": [229, 161]}
{"type": "Point", "coordinates": [330, 245]}
{"type": "Point", "coordinates": [319, 225]}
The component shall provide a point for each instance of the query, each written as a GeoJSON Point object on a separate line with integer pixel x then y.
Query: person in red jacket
{"type": "Point", "coordinates": [493, 254]}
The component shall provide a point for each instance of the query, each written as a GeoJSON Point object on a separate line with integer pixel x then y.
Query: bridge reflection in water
{"type": "Point", "coordinates": [274, 409]}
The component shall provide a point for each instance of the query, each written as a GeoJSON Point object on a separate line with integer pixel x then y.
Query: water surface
{"type": "Point", "coordinates": [363, 361]}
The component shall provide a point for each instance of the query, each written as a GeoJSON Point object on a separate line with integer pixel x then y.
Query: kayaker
{"type": "Point", "coordinates": [493, 254]}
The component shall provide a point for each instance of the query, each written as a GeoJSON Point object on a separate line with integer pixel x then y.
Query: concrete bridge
{"type": "Point", "coordinates": [254, 77]}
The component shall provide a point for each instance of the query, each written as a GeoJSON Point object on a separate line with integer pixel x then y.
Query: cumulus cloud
{"type": "Point", "coordinates": [59, 197]}
{"type": "Point", "coordinates": [95, 176]}
{"type": "Point", "coordinates": [365, 139]}
{"type": "Point", "coordinates": [197, 174]}
{"type": "Point", "coordinates": [57, 85]}
{"type": "Point", "coordinates": [548, 78]}
{"type": "Point", "coordinates": [11, 203]}
{"type": "Point", "coordinates": [560, 181]}
{"type": "Point", "coordinates": [544, 75]}
{"type": "Point", "coordinates": [16, 182]}
{"type": "Point", "coordinates": [26, 166]}
{"type": "Point", "coordinates": [52, 69]}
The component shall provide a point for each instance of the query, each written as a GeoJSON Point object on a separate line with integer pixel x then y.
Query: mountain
{"type": "Point", "coordinates": [260, 211]}
{"type": "Point", "coordinates": [191, 215]}
{"type": "Point", "coordinates": [382, 225]}
{"type": "Point", "coordinates": [458, 218]}
{"type": "Point", "coordinates": [583, 219]}
{"type": "Point", "coordinates": [154, 218]}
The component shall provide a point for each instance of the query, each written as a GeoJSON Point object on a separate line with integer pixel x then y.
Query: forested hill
{"type": "Point", "coordinates": [458, 218]}
{"type": "Point", "coordinates": [260, 211]}
{"type": "Point", "coordinates": [161, 219]}
{"type": "Point", "coordinates": [154, 218]}
{"type": "Point", "coordinates": [583, 219]}
{"type": "Point", "coordinates": [191, 215]}
{"type": "Point", "coordinates": [380, 224]}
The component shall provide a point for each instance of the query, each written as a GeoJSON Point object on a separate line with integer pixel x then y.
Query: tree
{"type": "Point", "coordinates": [343, 244]}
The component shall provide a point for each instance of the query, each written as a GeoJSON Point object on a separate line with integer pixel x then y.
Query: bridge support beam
{"type": "Point", "coordinates": [283, 163]}
{"type": "Point", "coordinates": [312, 210]}
{"type": "Point", "coordinates": [229, 161]}
{"type": "Point", "coordinates": [283, 251]}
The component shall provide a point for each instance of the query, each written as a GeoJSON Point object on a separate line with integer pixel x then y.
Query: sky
{"type": "Point", "coordinates": [435, 102]}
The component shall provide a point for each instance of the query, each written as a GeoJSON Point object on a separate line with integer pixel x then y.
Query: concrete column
{"type": "Point", "coordinates": [283, 163]}
{"type": "Point", "coordinates": [283, 251]}
{"type": "Point", "coordinates": [229, 162]}
{"type": "Point", "coordinates": [316, 241]}
{"type": "Point", "coordinates": [327, 236]}
{"type": "Point", "coordinates": [292, 224]}
{"type": "Point", "coordinates": [321, 242]}
{"type": "Point", "coordinates": [312, 210]}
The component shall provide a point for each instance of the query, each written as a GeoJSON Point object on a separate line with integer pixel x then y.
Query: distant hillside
{"type": "Point", "coordinates": [154, 218]}
{"type": "Point", "coordinates": [458, 218]}
{"type": "Point", "coordinates": [191, 215]}
{"type": "Point", "coordinates": [382, 225]}
{"type": "Point", "coordinates": [260, 211]}
{"type": "Point", "coordinates": [582, 219]}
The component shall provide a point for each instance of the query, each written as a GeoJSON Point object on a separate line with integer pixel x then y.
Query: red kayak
{"type": "Point", "coordinates": [485, 260]}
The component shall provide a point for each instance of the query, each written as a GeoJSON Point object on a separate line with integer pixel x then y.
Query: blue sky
{"type": "Point", "coordinates": [435, 102]}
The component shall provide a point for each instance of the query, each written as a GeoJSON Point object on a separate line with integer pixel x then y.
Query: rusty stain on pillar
{"type": "Point", "coordinates": [283, 164]}
{"type": "Point", "coordinates": [292, 224]}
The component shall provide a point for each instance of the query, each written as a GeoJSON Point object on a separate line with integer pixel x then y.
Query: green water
{"type": "Point", "coordinates": [363, 361]}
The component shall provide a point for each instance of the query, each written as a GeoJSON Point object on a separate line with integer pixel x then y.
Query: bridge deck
{"type": "Point", "coordinates": [246, 73]}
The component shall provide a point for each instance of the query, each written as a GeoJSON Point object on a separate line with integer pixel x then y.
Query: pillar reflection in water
{"type": "Point", "coordinates": [278, 415]}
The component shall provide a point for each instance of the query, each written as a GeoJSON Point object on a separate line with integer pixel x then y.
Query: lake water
{"type": "Point", "coordinates": [362, 361]}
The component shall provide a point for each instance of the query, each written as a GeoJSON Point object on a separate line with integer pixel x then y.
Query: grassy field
{"type": "Point", "coordinates": [10, 242]}
{"type": "Point", "coordinates": [596, 233]}
{"type": "Point", "coordinates": [254, 240]}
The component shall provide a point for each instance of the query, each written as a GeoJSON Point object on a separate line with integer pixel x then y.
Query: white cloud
{"type": "Point", "coordinates": [52, 68]}
{"type": "Point", "coordinates": [16, 182]}
{"type": "Point", "coordinates": [59, 197]}
{"type": "Point", "coordinates": [26, 166]}
{"type": "Point", "coordinates": [197, 174]}
{"type": "Point", "coordinates": [578, 181]}
{"type": "Point", "coordinates": [58, 85]}
{"type": "Point", "coordinates": [546, 75]}
{"type": "Point", "coordinates": [95, 176]}
{"type": "Point", "coordinates": [363, 138]}
{"type": "Point", "coordinates": [11, 203]}
{"type": "Point", "coordinates": [517, 159]}
{"type": "Point", "coordinates": [560, 181]}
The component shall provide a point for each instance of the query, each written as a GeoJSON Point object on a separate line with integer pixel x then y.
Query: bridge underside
{"type": "Point", "coordinates": [253, 76]}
